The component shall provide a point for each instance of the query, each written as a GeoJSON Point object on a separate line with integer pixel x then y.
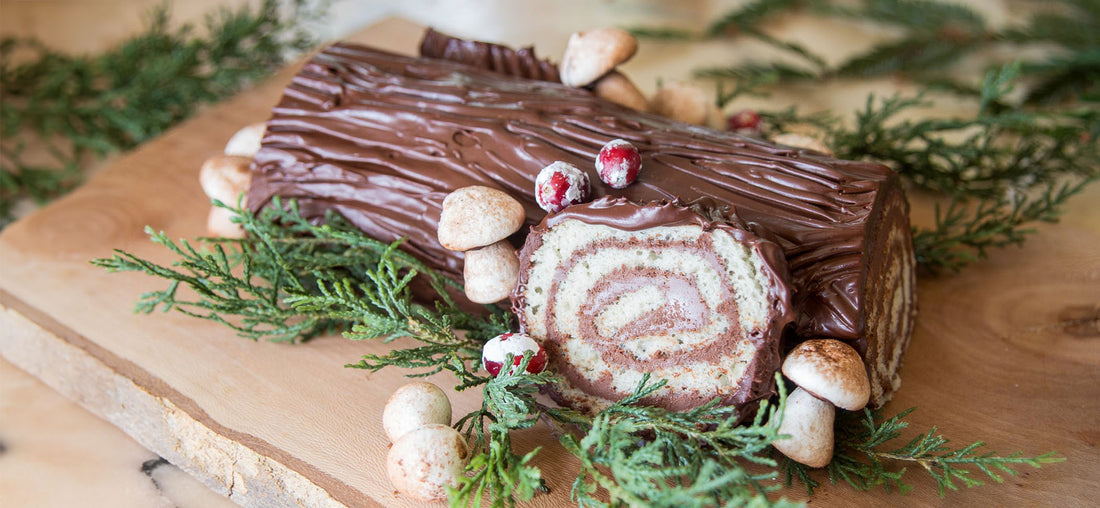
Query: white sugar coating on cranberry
{"type": "Point", "coordinates": [498, 348]}
{"type": "Point", "coordinates": [559, 185]}
{"type": "Point", "coordinates": [618, 163]}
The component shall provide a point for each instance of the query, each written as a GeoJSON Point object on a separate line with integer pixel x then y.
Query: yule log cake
{"type": "Point", "coordinates": [382, 139]}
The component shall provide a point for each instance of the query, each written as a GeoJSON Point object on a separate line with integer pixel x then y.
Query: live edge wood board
{"type": "Point", "coordinates": [1007, 351]}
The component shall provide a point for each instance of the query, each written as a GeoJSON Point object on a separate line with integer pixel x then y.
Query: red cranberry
{"type": "Point", "coordinates": [559, 185]}
{"type": "Point", "coordinates": [618, 163]}
{"type": "Point", "coordinates": [497, 349]}
{"type": "Point", "coordinates": [746, 121]}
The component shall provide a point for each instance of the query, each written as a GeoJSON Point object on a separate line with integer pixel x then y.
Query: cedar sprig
{"type": "Point", "coordinates": [637, 454]}
{"type": "Point", "coordinates": [980, 156]}
{"type": "Point", "coordinates": [290, 279]}
{"type": "Point", "coordinates": [78, 109]}
{"type": "Point", "coordinates": [1013, 163]}
{"type": "Point", "coordinates": [864, 457]}
{"type": "Point", "coordinates": [496, 472]}
{"type": "Point", "coordinates": [1003, 169]}
{"type": "Point", "coordinates": [746, 18]}
{"type": "Point", "coordinates": [933, 37]}
{"type": "Point", "coordinates": [440, 348]}
{"type": "Point", "coordinates": [936, 35]}
{"type": "Point", "coordinates": [749, 16]}
{"type": "Point", "coordinates": [498, 475]}
{"type": "Point", "coordinates": [752, 79]}
{"type": "Point", "coordinates": [238, 284]}
{"type": "Point", "coordinates": [965, 232]}
{"type": "Point", "coordinates": [647, 456]}
{"type": "Point", "coordinates": [920, 16]}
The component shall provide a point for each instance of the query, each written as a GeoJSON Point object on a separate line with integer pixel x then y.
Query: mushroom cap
{"type": "Point", "coordinates": [246, 142]}
{"type": "Point", "coordinates": [225, 177]}
{"type": "Point", "coordinates": [683, 102]}
{"type": "Point", "coordinates": [414, 405]}
{"type": "Point", "coordinates": [808, 421]}
{"type": "Point", "coordinates": [830, 370]}
{"type": "Point", "coordinates": [477, 216]}
{"type": "Point", "coordinates": [425, 461]}
{"type": "Point", "coordinates": [801, 141]}
{"type": "Point", "coordinates": [594, 53]}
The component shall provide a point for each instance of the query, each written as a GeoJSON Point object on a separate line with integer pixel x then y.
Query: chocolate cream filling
{"type": "Point", "coordinates": [693, 330]}
{"type": "Point", "coordinates": [684, 310]}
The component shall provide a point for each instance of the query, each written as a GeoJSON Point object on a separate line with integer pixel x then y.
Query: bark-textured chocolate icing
{"type": "Point", "coordinates": [382, 139]}
{"type": "Point", "coordinates": [485, 55]}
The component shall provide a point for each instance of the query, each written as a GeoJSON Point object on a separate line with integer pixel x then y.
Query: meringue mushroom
{"type": "Point", "coordinates": [490, 272]}
{"type": "Point", "coordinates": [219, 224]}
{"type": "Point", "coordinates": [477, 216]}
{"type": "Point", "coordinates": [801, 141]}
{"type": "Point", "coordinates": [414, 405]}
{"type": "Point", "coordinates": [225, 177]}
{"type": "Point", "coordinates": [830, 370]}
{"type": "Point", "coordinates": [618, 88]}
{"type": "Point", "coordinates": [425, 461]}
{"type": "Point", "coordinates": [593, 53]}
{"type": "Point", "coordinates": [685, 102]}
{"type": "Point", "coordinates": [808, 421]}
{"type": "Point", "coordinates": [246, 142]}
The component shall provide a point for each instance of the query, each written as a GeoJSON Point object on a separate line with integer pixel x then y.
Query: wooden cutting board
{"type": "Point", "coordinates": [1007, 351]}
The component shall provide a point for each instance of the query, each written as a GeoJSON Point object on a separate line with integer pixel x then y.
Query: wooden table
{"type": "Point", "coordinates": [1006, 351]}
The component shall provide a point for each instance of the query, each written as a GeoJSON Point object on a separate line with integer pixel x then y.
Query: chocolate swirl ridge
{"type": "Point", "coordinates": [485, 55]}
{"type": "Point", "coordinates": [697, 303]}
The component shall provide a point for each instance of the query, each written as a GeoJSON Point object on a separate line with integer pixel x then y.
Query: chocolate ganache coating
{"type": "Point", "coordinates": [660, 290]}
{"type": "Point", "coordinates": [486, 55]}
{"type": "Point", "coordinates": [383, 138]}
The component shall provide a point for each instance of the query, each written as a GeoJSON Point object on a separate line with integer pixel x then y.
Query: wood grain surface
{"type": "Point", "coordinates": [1007, 351]}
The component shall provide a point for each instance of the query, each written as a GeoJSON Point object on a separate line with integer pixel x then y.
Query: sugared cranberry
{"type": "Point", "coordinates": [618, 163]}
{"type": "Point", "coordinates": [745, 121]}
{"type": "Point", "coordinates": [559, 185]}
{"type": "Point", "coordinates": [497, 349]}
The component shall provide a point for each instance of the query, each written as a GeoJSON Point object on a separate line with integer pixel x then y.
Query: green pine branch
{"type": "Point", "coordinates": [867, 456]}
{"type": "Point", "coordinates": [290, 280]}
{"type": "Point", "coordinates": [636, 455]}
{"type": "Point", "coordinates": [497, 473]}
{"type": "Point", "coordinates": [665, 468]}
{"type": "Point", "coordinates": [78, 109]}
{"type": "Point", "coordinates": [1012, 164]}
{"type": "Point", "coordinates": [749, 16]}
{"type": "Point", "coordinates": [1005, 168]}
{"type": "Point", "coordinates": [925, 16]}
{"type": "Point", "coordinates": [964, 234]}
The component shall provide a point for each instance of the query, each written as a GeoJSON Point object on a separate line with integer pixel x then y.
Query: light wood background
{"type": "Point", "coordinates": [1006, 351]}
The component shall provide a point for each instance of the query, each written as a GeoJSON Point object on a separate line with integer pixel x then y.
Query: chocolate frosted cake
{"type": "Point", "coordinates": [616, 290]}
{"type": "Point", "coordinates": [383, 138]}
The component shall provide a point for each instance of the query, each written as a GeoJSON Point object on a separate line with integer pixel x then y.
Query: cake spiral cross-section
{"type": "Point", "coordinates": [616, 290]}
